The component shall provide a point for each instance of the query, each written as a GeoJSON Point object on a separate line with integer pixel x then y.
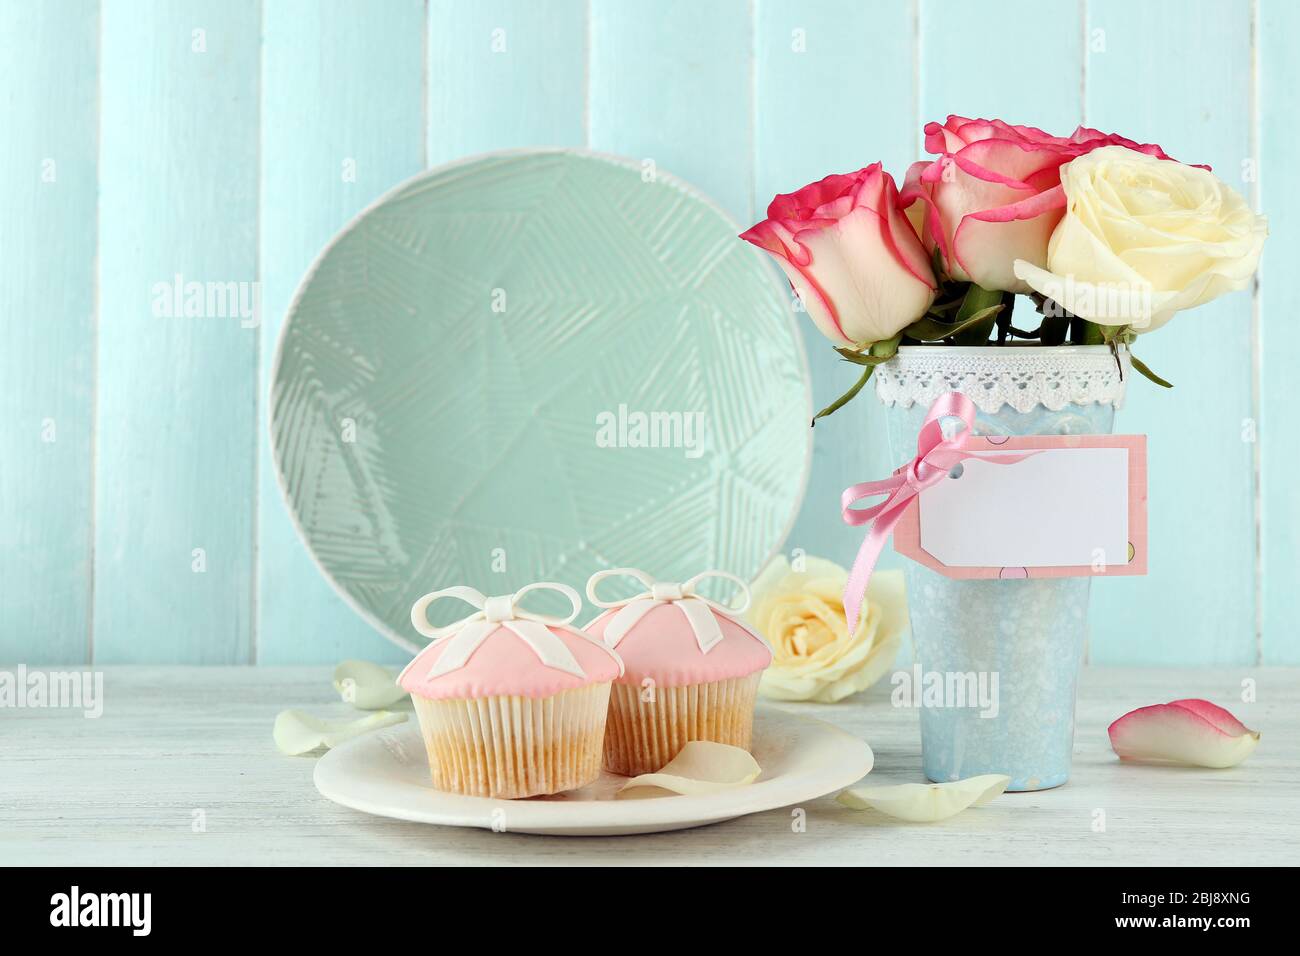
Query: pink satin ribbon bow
{"type": "Point", "coordinates": [935, 458]}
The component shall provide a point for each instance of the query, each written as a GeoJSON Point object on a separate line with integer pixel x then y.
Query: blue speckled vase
{"type": "Point", "coordinates": [1030, 633]}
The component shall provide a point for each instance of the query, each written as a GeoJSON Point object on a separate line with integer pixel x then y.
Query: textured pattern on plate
{"type": "Point", "coordinates": [447, 364]}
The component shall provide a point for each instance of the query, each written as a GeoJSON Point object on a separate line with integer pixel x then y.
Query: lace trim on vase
{"type": "Point", "coordinates": [992, 377]}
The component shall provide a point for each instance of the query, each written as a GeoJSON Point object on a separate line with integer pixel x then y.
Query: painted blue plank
{"type": "Point", "coordinates": [1178, 73]}
{"type": "Point", "coordinates": [1279, 346]}
{"type": "Point", "coordinates": [505, 73]}
{"type": "Point", "coordinates": [670, 85]}
{"type": "Point", "coordinates": [811, 118]}
{"type": "Point", "coordinates": [175, 440]}
{"type": "Point", "coordinates": [47, 309]}
{"type": "Point", "coordinates": [1020, 61]}
{"type": "Point", "coordinates": [342, 122]}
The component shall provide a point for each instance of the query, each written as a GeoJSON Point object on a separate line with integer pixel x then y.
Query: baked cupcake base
{"type": "Point", "coordinates": [643, 735]}
{"type": "Point", "coordinates": [509, 747]}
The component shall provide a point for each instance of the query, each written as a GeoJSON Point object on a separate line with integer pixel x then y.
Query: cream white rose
{"type": "Point", "coordinates": [1144, 238]}
{"type": "Point", "coordinates": [814, 657]}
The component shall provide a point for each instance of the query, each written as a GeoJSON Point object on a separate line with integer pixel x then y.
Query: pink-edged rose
{"type": "Point", "coordinates": [851, 255]}
{"type": "Point", "coordinates": [994, 194]}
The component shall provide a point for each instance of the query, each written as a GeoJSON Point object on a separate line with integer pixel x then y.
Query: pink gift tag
{"type": "Point", "coordinates": [1077, 507]}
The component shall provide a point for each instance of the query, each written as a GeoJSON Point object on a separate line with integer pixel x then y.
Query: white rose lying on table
{"type": "Point", "coordinates": [801, 613]}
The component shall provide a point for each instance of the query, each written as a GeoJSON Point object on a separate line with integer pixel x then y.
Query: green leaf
{"type": "Point", "coordinates": [862, 358]}
{"type": "Point", "coordinates": [1141, 366]}
{"type": "Point", "coordinates": [982, 316]}
{"type": "Point", "coordinates": [977, 299]}
{"type": "Point", "coordinates": [939, 309]}
{"type": "Point", "coordinates": [1083, 332]}
{"type": "Point", "coordinates": [976, 316]}
{"type": "Point", "coordinates": [1112, 333]}
{"type": "Point", "coordinates": [930, 330]}
{"type": "Point", "coordinates": [879, 352]}
{"type": "Point", "coordinates": [927, 329]}
{"type": "Point", "coordinates": [847, 397]}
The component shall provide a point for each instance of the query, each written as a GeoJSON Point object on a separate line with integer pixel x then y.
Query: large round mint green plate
{"type": "Point", "coordinates": [530, 366]}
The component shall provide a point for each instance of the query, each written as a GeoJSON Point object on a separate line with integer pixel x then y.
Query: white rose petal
{"type": "Point", "coordinates": [367, 686]}
{"type": "Point", "coordinates": [298, 733]}
{"type": "Point", "coordinates": [927, 803]}
{"type": "Point", "coordinates": [702, 766]}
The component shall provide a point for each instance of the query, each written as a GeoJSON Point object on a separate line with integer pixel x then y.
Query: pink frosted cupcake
{"type": "Point", "coordinates": [511, 703]}
{"type": "Point", "coordinates": [691, 670]}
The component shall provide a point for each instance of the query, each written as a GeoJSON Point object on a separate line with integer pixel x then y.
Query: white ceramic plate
{"type": "Point", "coordinates": [386, 773]}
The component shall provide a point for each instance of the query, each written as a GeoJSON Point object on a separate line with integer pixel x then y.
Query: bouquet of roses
{"type": "Point", "coordinates": [1109, 238]}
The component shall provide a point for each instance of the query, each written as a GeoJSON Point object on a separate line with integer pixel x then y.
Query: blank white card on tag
{"type": "Point", "coordinates": [1058, 507]}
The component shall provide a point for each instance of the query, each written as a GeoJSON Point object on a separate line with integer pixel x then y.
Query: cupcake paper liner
{"type": "Point", "coordinates": [644, 735]}
{"type": "Point", "coordinates": [509, 747]}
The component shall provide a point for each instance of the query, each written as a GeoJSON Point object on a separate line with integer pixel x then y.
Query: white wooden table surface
{"type": "Point", "coordinates": [125, 789]}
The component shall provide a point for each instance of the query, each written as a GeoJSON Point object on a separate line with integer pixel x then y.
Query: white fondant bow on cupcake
{"type": "Point", "coordinates": [698, 609]}
{"type": "Point", "coordinates": [465, 636]}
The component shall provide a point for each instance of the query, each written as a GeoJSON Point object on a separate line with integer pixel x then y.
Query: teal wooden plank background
{"type": "Point", "coordinates": [342, 121]}
{"type": "Point", "coordinates": [1202, 538]}
{"type": "Point", "coordinates": [226, 142]}
{"type": "Point", "coordinates": [671, 84]}
{"type": "Point", "coordinates": [47, 311]}
{"type": "Point", "coordinates": [1277, 347]}
{"type": "Point", "coordinates": [505, 73]}
{"type": "Point", "coordinates": [175, 427]}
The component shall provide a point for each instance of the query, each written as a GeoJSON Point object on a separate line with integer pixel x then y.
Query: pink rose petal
{"type": "Point", "coordinates": [1214, 714]}
{"type": "Point", "coordinates": [1193, 732]}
